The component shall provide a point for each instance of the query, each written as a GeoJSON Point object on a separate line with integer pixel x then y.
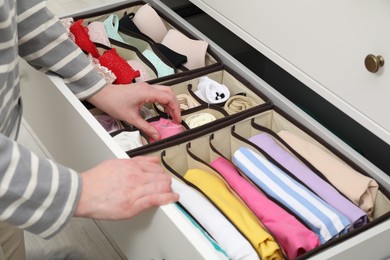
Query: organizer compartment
{"type": "Point", "coordinates": [237, 86]}
{"type": "Point", "coordinates": [143, 42]}
{"type": "Point", "coordinates": [132, 54]}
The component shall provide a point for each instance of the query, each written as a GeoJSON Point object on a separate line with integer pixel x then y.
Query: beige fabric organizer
{"type": "Point", "coordinates": [142, 42]}
{"type": "Point", "coordinates": [178, 157]}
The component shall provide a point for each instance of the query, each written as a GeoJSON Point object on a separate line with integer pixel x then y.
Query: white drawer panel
{"type": "Point", "coordinates": [75, 138]}
{"type": "Point", "coordinates": [324, 45]}
{"type": "Point", "coordinates": [360, 247]}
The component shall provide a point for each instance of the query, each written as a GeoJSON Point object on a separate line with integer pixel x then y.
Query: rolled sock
{"type": "Point", "coordinates": [199, 119]}
{"type": "Point", "coordinates": [211, 91]}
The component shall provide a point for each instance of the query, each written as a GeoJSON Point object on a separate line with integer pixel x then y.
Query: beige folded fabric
{"type": "Point", "coordinates": [359, 188]}
{"type": "Point", "coordinates": [195, 50]}
{"type": "Point", "coordinates": [186, 101]}
{"type": "Point", "coordinates": [238, 103]}
{"type": "Point", "coordinates": [150, 23]}
{"type": "Point", "coordinates": [199, 119]}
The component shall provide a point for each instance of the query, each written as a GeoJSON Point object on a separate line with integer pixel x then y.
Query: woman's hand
{"type": "Point", "coordinates": [124, 102]}
{"type": "Point", "coordinates": [121, 188]}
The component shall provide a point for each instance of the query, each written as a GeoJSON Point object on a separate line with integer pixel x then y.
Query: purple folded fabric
{"type": "Point", "coordinates": [292, 235]}
{"type": "Point", "coordinates": [109, 123]}
{"type": "Point", "coordinates": [322, 188]}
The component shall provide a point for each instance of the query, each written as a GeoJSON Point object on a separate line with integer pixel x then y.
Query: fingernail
{"type": "Point", "coordinates": [155, 137]}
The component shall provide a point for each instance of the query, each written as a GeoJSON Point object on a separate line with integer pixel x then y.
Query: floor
{"type": "Point", "coordinates": [80, 240]}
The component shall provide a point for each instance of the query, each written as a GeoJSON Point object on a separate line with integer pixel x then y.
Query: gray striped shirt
{"type": "Point", "coordinates": [36, 194]}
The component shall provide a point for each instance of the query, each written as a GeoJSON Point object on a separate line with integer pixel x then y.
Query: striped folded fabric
{"type": "Point", "coordinates": [294, 237]}
{"type": "Point", "coordinates": [318, 185]}
{"type": "Point", "coordinates": [322, 218]}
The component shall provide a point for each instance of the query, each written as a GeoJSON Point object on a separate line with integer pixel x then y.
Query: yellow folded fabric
{"type": "Point", "coordinates": [245, 221]}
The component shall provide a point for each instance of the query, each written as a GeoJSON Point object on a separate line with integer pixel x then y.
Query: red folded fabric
{"type": "Point", "coordinates": [82, 39]}
{"type": "Point", "coordinates": [124, 73]}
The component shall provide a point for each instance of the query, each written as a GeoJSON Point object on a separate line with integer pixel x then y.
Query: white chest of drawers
{"type": "Point", "coordinates": [74, 137]}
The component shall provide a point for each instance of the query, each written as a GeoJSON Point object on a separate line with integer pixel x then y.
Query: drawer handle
{"type": "Point", "coordinates": [373, 63]}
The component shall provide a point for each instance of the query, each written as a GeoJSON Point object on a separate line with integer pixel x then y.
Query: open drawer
{"type": "Point", "coordinates": [199, 152]}
{"type": "Point", "coordinates": [73, 137]}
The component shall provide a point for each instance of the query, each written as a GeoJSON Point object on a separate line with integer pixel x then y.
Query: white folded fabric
{"type": "Point", "coordinates": [214, 222]}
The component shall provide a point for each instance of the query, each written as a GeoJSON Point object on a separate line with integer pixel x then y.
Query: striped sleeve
{"type": "Point", "coordinates": [44, 43]}
{"type": "Point", "coordinates": [36, 194]}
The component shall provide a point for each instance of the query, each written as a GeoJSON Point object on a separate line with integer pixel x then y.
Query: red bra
{"type": "Point", "coordinates": [124, 73]}
{"type": "Point", "coordinates": [82, 38]}
{"type": "Point", "coordinates": [110, 59]}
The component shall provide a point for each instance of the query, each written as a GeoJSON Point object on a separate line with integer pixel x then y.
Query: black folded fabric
{"type": "Point", "coordinates": [127, 23]}
{"type": "Point", "coordinates": [175, 58]}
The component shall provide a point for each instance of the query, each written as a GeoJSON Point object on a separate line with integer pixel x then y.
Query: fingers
{"type": "Point", "coordinates": [173, 112]}
{"type": "Point", "coordinates": [155, 93]}
{"type": "Point", "coordinates": [153, 183]}
{"type": "Point", "coordinates": [146, 128]}
{"type": "Point", "coordinates": [155, 189]}
{"type": "Point", "coordinates": [156, 193]}
{"type": "Point", "coordinates": [122, 188]}
{"type": "Point", "coordinates": [165, 97]}
{"type": "Point", "coordinates": [154, 159]}
{"type": "Point", "coordinates": [155, 200]}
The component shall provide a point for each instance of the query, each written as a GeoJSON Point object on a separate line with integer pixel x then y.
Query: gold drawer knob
{"type": "Point", "coordinates": [373, 63]}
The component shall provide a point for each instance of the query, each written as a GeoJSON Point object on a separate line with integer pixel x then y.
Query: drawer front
{"type": "Point", "coordinates": [362, 248]}
{"type": "Point", "coordinates": [74, 138]}
{"type": "Point", "coordinates": [324, 45]}
{"type": "Point", "coordinates": [86, 143]}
